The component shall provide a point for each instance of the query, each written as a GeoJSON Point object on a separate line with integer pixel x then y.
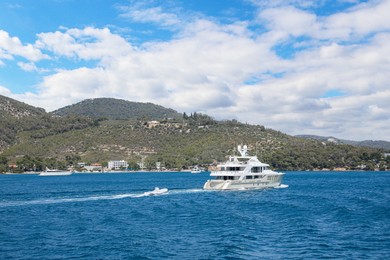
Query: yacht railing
{"type": "Point", "coordinates": [227, 172]}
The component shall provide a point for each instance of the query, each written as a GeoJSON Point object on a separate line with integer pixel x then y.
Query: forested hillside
{"type": "Point", "coordinates": [17, 117]}
{"type": "Point", "coordinates": [11, 112]}
{"type": "Point", "coordinates": [367, 143]}
{"type": "Point", "coordinates": [111, 108]}
{"type": "Point", "coordinates": [41, 139]}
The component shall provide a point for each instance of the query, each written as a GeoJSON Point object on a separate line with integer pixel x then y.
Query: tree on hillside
{"type": "Point", "coordinates": [3, 164]}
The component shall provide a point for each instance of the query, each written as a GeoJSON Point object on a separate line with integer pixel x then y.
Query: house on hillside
{"type": "Point", "coordinates": [152, 124]}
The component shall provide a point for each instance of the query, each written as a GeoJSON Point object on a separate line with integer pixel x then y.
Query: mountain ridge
{"type": "Point", "coordinates": [117, 109]}
{"type": "Point", "coordinates": [379, 144]}
{"type": "Point", "coordinates": [13, 108]}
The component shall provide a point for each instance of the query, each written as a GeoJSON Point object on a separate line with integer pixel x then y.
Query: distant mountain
{"type": "Point", "coordinates": [379, 144]}
{"type": "Point", "coordinates": [370, 143]}
{"type": "Point", "coordinates": [17, 117]}
{"type": "Point", "coordinates": [12, 112]}
{"type": "Point", "coordinates": [12, 108]}
{"type": "Point", "coordinates": [115, 109]}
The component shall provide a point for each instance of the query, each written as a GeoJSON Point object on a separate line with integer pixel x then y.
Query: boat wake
{"type": "Point", "coordinates": [186, 191]}
{"type": "Point", "coordinates": [281, 186]}
{"type": "Point", "coordinates": [152, 193]}
{"type": "Point", "coordinates": [66, 200]}
{"type": "Point", "coordinates": [97, 198]}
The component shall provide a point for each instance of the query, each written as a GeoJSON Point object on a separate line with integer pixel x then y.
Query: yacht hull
{"type": "Point", "coordinates": [242, 184]}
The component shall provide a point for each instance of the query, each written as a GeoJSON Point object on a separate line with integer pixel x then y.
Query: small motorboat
{"type": "Point", "coordinates": [156, 191]}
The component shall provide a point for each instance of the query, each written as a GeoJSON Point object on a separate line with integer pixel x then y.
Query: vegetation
{"type": "Point", "coordinates": [194, 139]}
{"type": "Point", "coordinates": [116, 109]}
{"type": "Point", "coordinates": [367, 143]}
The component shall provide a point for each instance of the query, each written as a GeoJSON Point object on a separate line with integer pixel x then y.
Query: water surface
{"type": "Point", "coordinates": [338, 215]}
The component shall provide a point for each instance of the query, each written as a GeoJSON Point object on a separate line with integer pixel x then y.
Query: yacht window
{"type": "Point", "coordinates": [249, 177]}
{"type": "Point", "coordinates": [257, 169]}
{"type": "Point", "coordinates": [256, 176]}
{"type": "Point", "coordinates": [233, 168]}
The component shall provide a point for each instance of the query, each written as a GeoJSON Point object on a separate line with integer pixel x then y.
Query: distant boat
{"type": "Point", "coordinates": [54, 172]}
{"type": "Point", "coordinates": [243, 172]}
{"type": "Point", "coordinates": [196, 169]}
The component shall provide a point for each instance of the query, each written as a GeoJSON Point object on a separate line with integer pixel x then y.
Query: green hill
{"type": "Point", "coordinates": [11, 108]}
{"type": "Point", "coordinates": [40, 139]}
{"type": "Point", "coordinates": [17, 117]}
{"type": "Point", "coordinates": [117, 109]}
{"type": "Point", "coordinates": [367, 143]}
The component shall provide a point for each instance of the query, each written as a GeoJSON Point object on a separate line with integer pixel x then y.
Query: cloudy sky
{"type": "Point", "coordinates": [298, 66]}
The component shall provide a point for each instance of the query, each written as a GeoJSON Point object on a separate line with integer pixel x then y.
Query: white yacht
{"type": "Point", "coordinates": [53, 172]}
{"type": "Point", "coordinates": [243, 172]}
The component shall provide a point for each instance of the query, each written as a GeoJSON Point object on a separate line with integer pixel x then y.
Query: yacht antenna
{"type": "Point", "coordinates": [243, 150]}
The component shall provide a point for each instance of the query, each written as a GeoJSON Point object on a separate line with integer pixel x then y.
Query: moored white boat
{"type": "Point", "coordinates": [243, 172]}
{"type": "Point", "coordinates": [49, 172]}
{"type": "Point", "coordinates": [196, 169]}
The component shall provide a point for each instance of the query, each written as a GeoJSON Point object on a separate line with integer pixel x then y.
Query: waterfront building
{"type": "Point", "coordinates": [116, 165]}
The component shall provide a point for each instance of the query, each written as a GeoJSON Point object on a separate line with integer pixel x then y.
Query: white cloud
{"type": "Point", "coordinates": [30, 67]}
{"type": "Point", "coordinates": [278, 3]}
{"type": "Point", "coordinates": [365, 19]}
{"type": "Point", "coordinates": [154, 15]}
{"type": "Point", "coordinates": [146, 12]}
{"type": "Point", "coordinates": [354, 24]}
{"type": "Point", "coordinates": [290, 21]}
{"type": "Point", "coordinates": [5, 91]}
{"type": "Point", "coordinates": [209, 61]}
{"type": "Point", "coordinates": [12, 46]}
{"type": "Point", "coordinates": [87, 44]}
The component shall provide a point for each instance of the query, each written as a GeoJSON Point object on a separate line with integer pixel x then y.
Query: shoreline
{"type": "Point", "coordinates": [185, 171]}
{"type": "Point", "coordinates": [106, 172]}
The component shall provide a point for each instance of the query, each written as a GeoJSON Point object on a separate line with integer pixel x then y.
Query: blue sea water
{"type": "Point", "coordinates": [332, 215]}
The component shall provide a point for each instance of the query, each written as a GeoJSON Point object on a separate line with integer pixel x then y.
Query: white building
{"type": "Point", "coordinates": [116, 165]}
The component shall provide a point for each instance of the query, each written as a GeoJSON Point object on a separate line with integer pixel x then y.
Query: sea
{"type": "Point", "coordinates": [315, 215]}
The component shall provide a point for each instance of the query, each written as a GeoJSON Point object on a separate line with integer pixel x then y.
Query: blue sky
{"type": "Point", "coordinates": [298, 66]}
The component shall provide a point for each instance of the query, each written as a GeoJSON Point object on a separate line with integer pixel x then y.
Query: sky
{"type": "Point", "coordinates": [318, 67]}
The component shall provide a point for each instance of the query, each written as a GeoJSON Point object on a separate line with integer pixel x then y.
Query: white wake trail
{"type": "Point", "coordinates": [67, 200]}
{"type": "Point", "coordinates": [93, 198]}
